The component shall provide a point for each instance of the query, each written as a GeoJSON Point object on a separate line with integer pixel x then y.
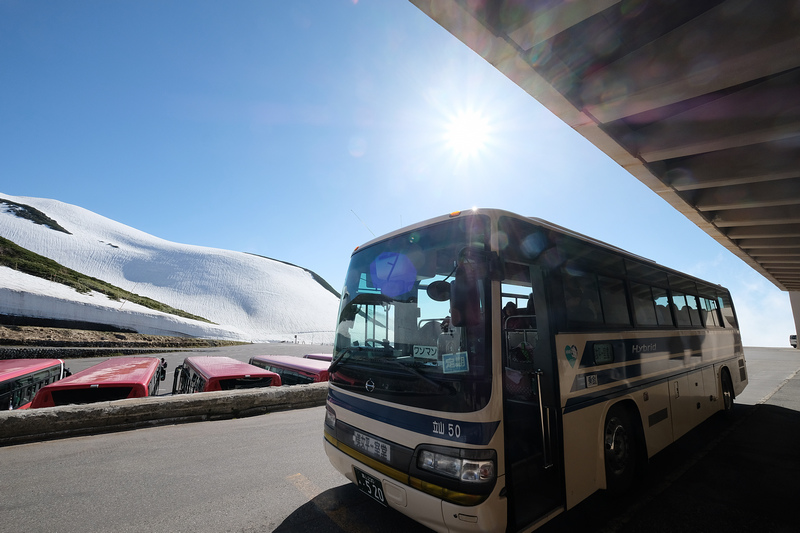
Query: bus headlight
{"type": "Point", "coordinates": [330, 417]}
{"type": "Point", "coordinates": [470, 466]}
{"type": "Point", "coordinates": [457, 475]}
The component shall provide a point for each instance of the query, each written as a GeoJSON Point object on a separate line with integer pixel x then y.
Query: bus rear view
{"type": "Point", "coordinates": [207, 373]}
{"type": "Point", "coordinates": [114, 379]}
{"type": "Point", "coordinates": [294, 370]}
{"type": "Point", "coordinates": [21, 379]}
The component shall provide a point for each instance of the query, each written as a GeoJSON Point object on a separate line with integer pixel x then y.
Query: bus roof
{"type": "Point", "coordinates": [112, 372]}
{"type": "Point", "coordinates": [14, 368]}
{"type": "Point", "coordinates": [299, 363]}
{"type": "Point", "coordinates": [496, 214]}
{"type": "Point", "coordinates": [319, 356]}
{"type": "Point", "coordinates": [225, 367]}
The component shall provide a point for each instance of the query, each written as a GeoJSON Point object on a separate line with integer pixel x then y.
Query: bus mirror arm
{"type": "Point", "coordinates": [496, 270]}
{"type": "Point", "coordinates": [487, 264]}
{"type": "Point", "coordinates": [474, 266]}
{"type": "Point", "coordinates": [465, 298]}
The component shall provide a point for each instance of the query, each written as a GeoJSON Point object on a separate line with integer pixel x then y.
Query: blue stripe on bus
{"type": "Point", "coordinates": [594, 397]}
{"type": "Point", "coordinates": [628, 386]}
{"type": "Point", "coordinates": [476, 433]}
{"type": "Point", "coordinates": [641, 349]}
{"type": "Point", "coordinates": [662, 356]}
{"type": "Point", "coordinates": [650, 361]}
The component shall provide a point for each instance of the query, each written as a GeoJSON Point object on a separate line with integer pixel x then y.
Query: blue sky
{"type": "Point", "coordinates": [297, 130]}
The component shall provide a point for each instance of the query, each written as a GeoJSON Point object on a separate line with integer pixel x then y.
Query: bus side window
{"type": "Point", "coordinates": [15, 399]}
{"type": "Point", "coordinates": [726, 308]}
{"type": "Point", "coordinates": [281, 372]}
{"type": "Point", "coordinates": [582, 298]}
{"type": "Point", "coordinates": [662, 307]}
{"type": "Point", "coordinates": [643, 305]}
{"type": "Point", "coordinates": [681, 309]}
{"type": "Point", "coordinates": [615, 304]}
{"type": "Point", "coordinates": [709, 312]}
{"type": "Point", "coordinates": [694, 313]}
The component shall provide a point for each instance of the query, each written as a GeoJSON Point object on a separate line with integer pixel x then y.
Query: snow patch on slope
{"type": "Point", "coordinates": [251, 298]}
{"type": "Point", "coordinates": [25, 295]}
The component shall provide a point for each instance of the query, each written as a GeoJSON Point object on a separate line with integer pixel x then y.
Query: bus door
{"type": "Point", "coordinates": [533, 462]}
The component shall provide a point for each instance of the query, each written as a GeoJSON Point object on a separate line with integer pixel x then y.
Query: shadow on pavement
{"type": "Point", "coordinates": [345, 508]}
{"type": "Point", "coordinates": [734, 473]}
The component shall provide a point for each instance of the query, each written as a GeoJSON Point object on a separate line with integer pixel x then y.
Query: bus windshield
{"type": "Point", "coordinates": [412, 327]}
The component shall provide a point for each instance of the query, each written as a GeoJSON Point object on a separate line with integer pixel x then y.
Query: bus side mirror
{"type": "Point", "coordinates": [465, 298]}
{"type": "Point", "coordinates": [439, 291]}
{"type": "Point", "coordinates": [349, 313]}
{"type": "Point", "coordinates": [176, 387]}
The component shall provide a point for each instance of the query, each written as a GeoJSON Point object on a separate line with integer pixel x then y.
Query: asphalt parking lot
{"type": "Point", "coordinates": [731, 474]}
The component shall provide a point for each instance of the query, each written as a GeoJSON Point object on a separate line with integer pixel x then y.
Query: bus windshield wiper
{"type": "Point", "coordinates": [344, 355]}
{"type": "Point", "coordinates": [412, 370]}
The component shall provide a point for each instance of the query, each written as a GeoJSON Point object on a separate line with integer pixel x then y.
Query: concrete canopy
{"type": "Point", "coordinates": [698, 99]}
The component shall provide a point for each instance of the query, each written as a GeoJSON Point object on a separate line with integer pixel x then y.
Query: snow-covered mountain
{"type": "Point", "coordinates": [249, 298]}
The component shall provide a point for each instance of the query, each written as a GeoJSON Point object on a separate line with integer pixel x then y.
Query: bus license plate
{"type": "Point", "coordinates": [374, 447]}
{"type": "Point", "coordinates": [370, 486]}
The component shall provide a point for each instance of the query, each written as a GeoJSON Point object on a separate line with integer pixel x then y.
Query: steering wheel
{"type": "Point", "coordinates": [375, 343]}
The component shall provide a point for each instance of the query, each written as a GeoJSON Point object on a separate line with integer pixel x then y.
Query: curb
{"type": "Point", "coordinates": [53, 352]}
{"type": "Point", "coordinates": [34, 425]}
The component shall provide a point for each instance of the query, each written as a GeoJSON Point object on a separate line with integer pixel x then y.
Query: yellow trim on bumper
{"type": "Point", "coordinates": [445, 494]}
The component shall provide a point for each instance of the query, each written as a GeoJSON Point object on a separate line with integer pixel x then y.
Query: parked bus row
{"type": "Point", "coordinates": [34, 383]}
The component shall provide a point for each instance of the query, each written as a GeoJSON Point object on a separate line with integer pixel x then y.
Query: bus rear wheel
{"type": "Point", "coordinates": [727, 391]}
{"type": "Point", "coordinates": [619, 439]}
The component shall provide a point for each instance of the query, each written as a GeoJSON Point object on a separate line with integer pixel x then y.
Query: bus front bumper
{"type": "Point", "coordinates": [424, 508]}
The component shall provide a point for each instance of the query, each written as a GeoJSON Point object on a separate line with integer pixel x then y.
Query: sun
{"type": "Point", "coordinates": [467, 133]}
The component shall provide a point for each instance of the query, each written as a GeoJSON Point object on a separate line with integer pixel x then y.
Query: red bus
{"type": "Point", "coordinates": [319, 356]}
{"type": "Point", "coordinates": [294, 370]}
{"type": "Point", "coordinates": [206, 373]}
{"type": "Point", "coordinates": [21, 379]}
{"type": "Point", "coordinates": [113, 379]}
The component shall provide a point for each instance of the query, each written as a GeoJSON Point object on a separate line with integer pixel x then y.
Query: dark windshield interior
{"type": "Point", "coordinates": [90, 395]}
{"type": "Point", "coordinates": [400, 336]}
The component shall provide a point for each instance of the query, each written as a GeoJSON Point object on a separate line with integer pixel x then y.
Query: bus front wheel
{"type": "Point", "coordinates": [620, 443]}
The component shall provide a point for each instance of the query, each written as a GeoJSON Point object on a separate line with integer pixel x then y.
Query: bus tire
{"type": "Point", "coordinates": [620, 450]}
{"type": "Point", "coordinates": [727, 391]}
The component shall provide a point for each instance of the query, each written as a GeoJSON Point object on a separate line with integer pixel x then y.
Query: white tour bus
{"type": "Point", "coordinates": [469, 414]}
